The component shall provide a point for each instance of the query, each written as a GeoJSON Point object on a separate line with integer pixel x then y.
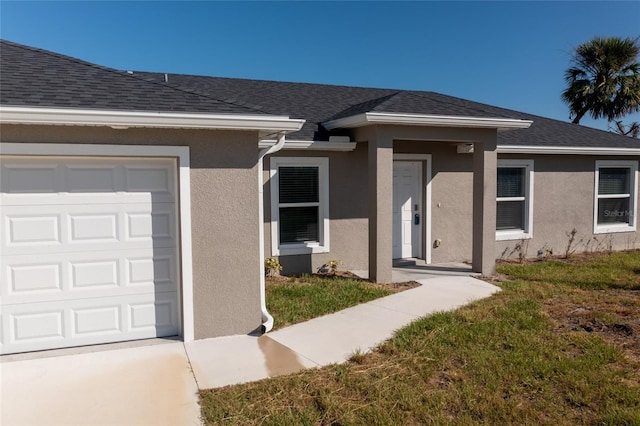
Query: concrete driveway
{"type": "Point", "coordinates": [148, 385]}
{"type": "Point", "coordinates": [156, 382]}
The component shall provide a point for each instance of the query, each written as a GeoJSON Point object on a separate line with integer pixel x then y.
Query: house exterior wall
{"type": "Point", "coordinates": [224, 214]}
{"type": "Point", "coordinates": [451, 199]}
{"type": "Point", "coordinates": [451, 212]}
{"type": "Point", "coordinates": [347, 212]}
{"type": "Point", "coordinates": [563, 200]}
{"type": "Point", "coordinates": [564, 188]}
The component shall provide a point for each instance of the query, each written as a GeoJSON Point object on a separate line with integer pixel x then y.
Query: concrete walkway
{"type": "Point", "coordinates": [157, 385]}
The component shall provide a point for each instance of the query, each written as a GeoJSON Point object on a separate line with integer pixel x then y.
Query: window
{"type": "Point", "coordinates": [514, 203]}
{"type": "Point", "coordinates": [299, 205]}
{"type": "Point", "coordinates": [615, 196]}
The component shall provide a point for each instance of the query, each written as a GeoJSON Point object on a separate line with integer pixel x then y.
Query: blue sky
{"type": "Point", "coordinates": [509, 54]}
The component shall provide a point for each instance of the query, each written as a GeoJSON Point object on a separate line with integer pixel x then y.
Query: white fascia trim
{"type": "Point", "coordinates": [512, 149]}
{"type": "Point", "coordinates": [367, 118]}
{"type": "Point", "coordinates": [311, 145]}
{"type": "Point", "coordinates": [181, 153]}
{"type": "Point", "coordinates": [126, 119]}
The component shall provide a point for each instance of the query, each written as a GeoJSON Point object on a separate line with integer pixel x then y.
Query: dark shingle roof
{"type": "Point", "coordinates": [34, 77]}
{"type": "Point", "coordinates": [38, 78]}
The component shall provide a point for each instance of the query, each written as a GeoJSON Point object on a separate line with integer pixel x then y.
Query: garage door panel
{"type": "Point", "coordinates": [33, 278]}
{"type": "Point", "coordinates": [88, 251]}
{"type": "Point", "coordinates": [154, 180]}
{"type": "Point", "coordinates": [87, 227]}
{"type": "Point", "coordinates": [39, 325]}
{"type": "Point", "coordinates": [77, 323]}
{"type": "Point", "coordinates": [91, 179]}
{"type": "Point", "coordinates": [67, 177]}
{"type": "Point", "coordinates": [29, 178]}
{"type": "Point", "coordinates": [97, 320]}
{"type": "Point", "coordinates": [47, 277]}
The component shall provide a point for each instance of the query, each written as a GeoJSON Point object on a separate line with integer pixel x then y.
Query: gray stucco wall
{"type": "Point", "coordinates": [563, 200]}
{"type": "Point", "coordinates": [347, 212]}
{"type": "Point", "coordinates": [564, 189]}
{"type": "Point", "coordinates": [451, 199]}
{"type": "Point", "coordinates": [224, 214]}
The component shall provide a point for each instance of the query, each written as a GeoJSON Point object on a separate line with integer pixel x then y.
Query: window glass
{"type": "Point", "coordinates": [299, 205]}
{"type": "Point", "coordinates": [615, 196]}
{"type": "Point", "coordinates": [614, 180]}
{"type": "Point", "coordinates": [510, 182]}
{"type": "Point", "coordinates": [614, 210]}
{"type": "Point", "coordinates": [298, 184]}
{"type": "Point", "coordinates": [514, 199]}
{"type": "Point", "coordinates": [298, 224]}
{"type": "Point", "coordinates": [510, 215]}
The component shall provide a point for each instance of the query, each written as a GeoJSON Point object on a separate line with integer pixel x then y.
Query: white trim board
{"type": "Point", "coordinates": [513, 149]}
{"type": "Point", "coordinates": [181, 153]}
{"type": "Point", "coordinates": [125, 119]}
{"type": "Point", "coordinates": [369, 118]}
{"type": "Point", "coordinates": [311, 145]}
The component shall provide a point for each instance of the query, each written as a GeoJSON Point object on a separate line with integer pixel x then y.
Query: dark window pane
{"type": "Point", "coordinates": [614, 210]}
{"type": "Point", "coordinates": [298, 224]}
{"type": "Point", "coordinates": [510, 182]}
{"type": "Point", "coordinates": [614, 180]}
{"type": "Point", "coordinates": [510, 215]}
{"type": "Point", "coordinates": [298, 184]}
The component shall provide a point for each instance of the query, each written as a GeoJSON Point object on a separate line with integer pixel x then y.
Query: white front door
{"type": "Point", "coordinates": [407, 209]}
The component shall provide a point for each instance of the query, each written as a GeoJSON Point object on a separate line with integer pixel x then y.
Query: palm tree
{"type": "Point", "coordinates": [604, 79]}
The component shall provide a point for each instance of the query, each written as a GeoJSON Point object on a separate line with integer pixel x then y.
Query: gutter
{"type": "Point", "coordinates": [267, 319]}
{"type": "Point", "coordinates": [330, 145]}
{"type": "Point", "coordinates": [571, 150]}
{"type": "Point", "coordinates": [125, 119]}
{"type": "Point", "coordinates": [466, 148]}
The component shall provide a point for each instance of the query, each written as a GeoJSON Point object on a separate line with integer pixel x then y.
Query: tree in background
{"type": "Point", "coordinates": [604, 81]}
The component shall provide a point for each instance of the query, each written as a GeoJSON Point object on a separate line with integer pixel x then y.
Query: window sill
{"type": "Point", "coordinates": [513, 235]}
{"type": "Point", "coordinates": [294, 249]}
{"type": "Point", "coordinates": [612, 229]}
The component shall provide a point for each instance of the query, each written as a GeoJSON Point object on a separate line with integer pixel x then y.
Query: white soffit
{"type": "Point", "coordinates": [367, 118]}
{"type": "Point", "coordinates": [126, 119]}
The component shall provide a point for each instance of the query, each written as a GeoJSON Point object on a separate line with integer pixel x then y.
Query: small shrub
{"type": "Point", "coordinates": [331, 267]}
{"type": "Point", "coordinates": [272, 267]}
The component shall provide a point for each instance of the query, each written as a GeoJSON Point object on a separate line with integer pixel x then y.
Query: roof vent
{"type": "Point", "coordinates": [166, 78]}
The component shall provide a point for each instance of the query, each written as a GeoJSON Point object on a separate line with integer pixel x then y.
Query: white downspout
{"type": "Point", "coordinates": [267, 319]}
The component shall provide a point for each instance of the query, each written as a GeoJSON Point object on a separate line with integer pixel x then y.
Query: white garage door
{"type": "Point", "coordinates": [88, 251]}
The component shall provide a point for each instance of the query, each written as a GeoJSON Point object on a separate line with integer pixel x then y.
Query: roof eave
{"type": "Point", "coordinates": [311, 145]}
{"type": "Point", "coordinates": [126, 119]}
{"type": "Point", "coordinates": [369, 118]}
{"type": "Point", "coordinates": [568, 150]}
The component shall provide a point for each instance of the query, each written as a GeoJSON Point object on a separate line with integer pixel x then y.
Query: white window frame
{"type": "Point", "coordinates": [633, 199]}
{"type": "Point", "coordinates": [527, 232]}
{"type": "Point", "coordinates": [321, 246]}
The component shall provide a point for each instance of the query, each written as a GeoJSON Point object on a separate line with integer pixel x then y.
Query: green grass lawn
{"type": "Point", "coordinates": [559, 345]}
{"type": "Point", "coordinates": [295, 300]}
